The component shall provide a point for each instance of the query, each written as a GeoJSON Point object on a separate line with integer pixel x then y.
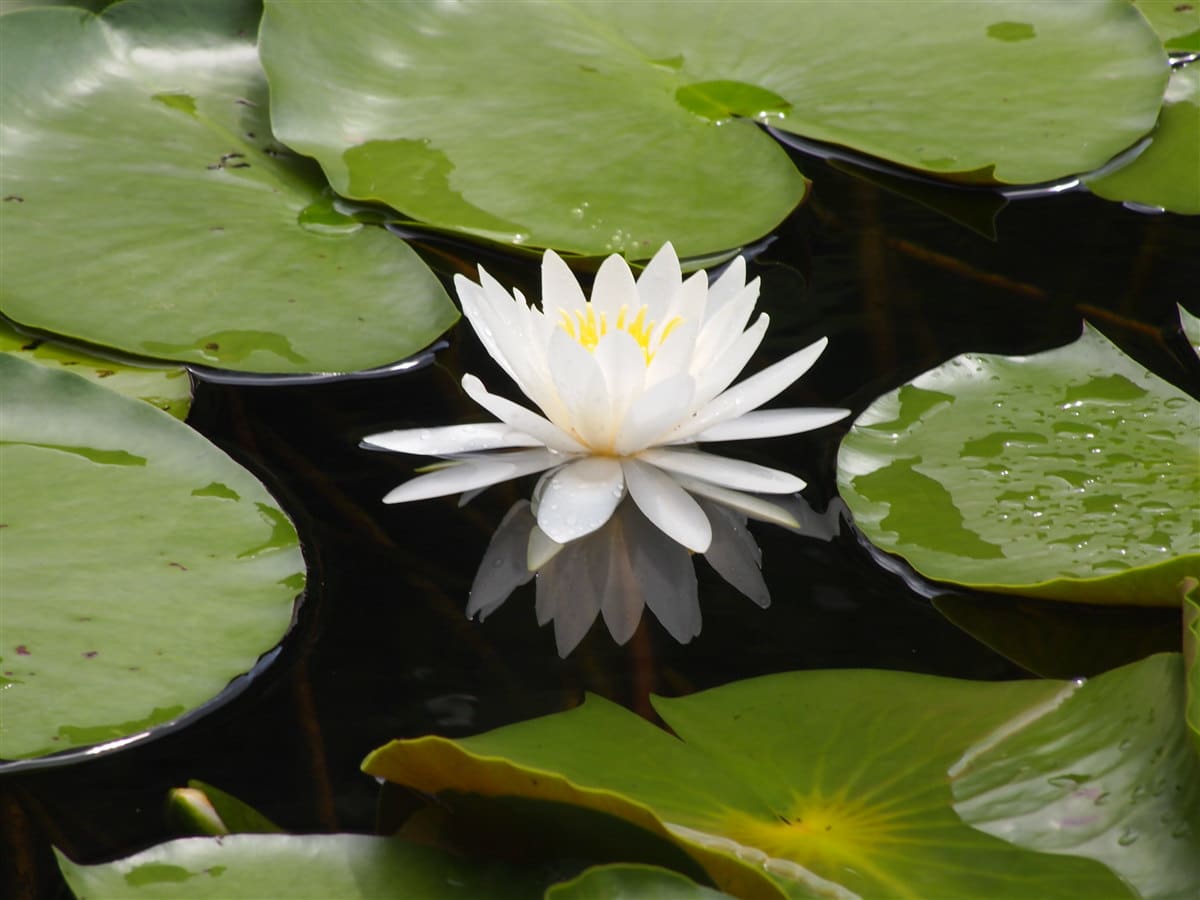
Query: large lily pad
{"type": "Point", "coordinates": [1056, 475]}
{"type": "Point", "coordinates": [839, 782]}
{"type": "Point", "coordinates": [147, 206]}
{"type": "Point", "coordinates": [621, 130]}
{"type": "Point", "coordinates": [1177, 22]}
{"type": "Point", "coordinates": [168, 388]}
{"type": "Point", "coordinates": [255, 866]}
{"type": "Point", "coordinates": [1167, 173]}
{"type": "Point", "coordinates": [143, 569]}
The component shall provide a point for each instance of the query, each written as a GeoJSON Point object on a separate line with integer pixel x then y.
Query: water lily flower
{"type": "Point", "coordinates": [627, 383]}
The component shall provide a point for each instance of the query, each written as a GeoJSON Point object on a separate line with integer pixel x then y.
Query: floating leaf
{"type": "Point", "coordinates": [143, 569]}
{"type": "Point", "coordinates": [1167, 173]}
{"type": "Point", "coordinates": [254, 866]}
{"type": "Point", "coordinates": [147, 206]}
{"type": "Point", "coordinates": [1056, 475]}
{"type": "Point", "coordinates": [846, 781]}
{"type": "Point", "coordinates": [620, 132]}
{"type": "Point", "coordinates": [1176, 22]}
{"type": "Point", "coordinates": [169, 389]}
{"type": "Point", "coordinates": [1191, 655]}
{"type": "Point", "coordinates": [631, 882]}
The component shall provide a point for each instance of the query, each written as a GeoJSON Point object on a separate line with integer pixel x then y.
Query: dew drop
{"type": "Point", "coordinates": [1128, 836]}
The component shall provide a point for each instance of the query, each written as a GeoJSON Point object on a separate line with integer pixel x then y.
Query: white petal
{"type": "Point", "coordinates": [613, 288]}
{"type": "Point", "coordinates": [722, 328]}
{"type": "Point", "coordinates": [723, 471]}
{"type": "Point", "coordinates": [580, 497]}
{"type": "Point", "coordinates": [674, 355]}
{"type": "Point", "coordinates": [580, 385]}
{"type": "Point", "coordinates": [520, 418]}
{"type": "Point", "coordinates": [735, 555]}
{"type": "Point", "coordinates": [718, 372]}
{"type": "Point", "coordinates": [763, 423]}
{"type": "Point", "coordinates": [659, 281]}
{"type": "Point", "coordinates": [502, 569]}
{"type": "Point", "coordinates": [754, 391]}
{"type": "Point", "coordinates": [450, 439]}
{"type": "Point", "coordinates": [732, 280]}
{"type": "Point", "coordinates": [655, 413]}
{"type": "Point", "coordinates": [473, 473]}
{"type": "Point", "coordinates": [560, 288]}
{"type": "Point", "coordinates": [667, 505]}
{"type": "Point", "coordinates": [747, 504]}
{"type": "Point", "coordinates": [623, 363]}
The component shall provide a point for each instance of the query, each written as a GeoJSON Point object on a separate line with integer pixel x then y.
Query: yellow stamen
{"type": "Point", "coordinates": [587, 327]}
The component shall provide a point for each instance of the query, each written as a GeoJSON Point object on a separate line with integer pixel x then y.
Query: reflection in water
{"type": "Point", "coordinates": [624, 566]}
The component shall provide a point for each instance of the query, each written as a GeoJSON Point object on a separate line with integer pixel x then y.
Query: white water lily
{"type": "Point", "coordinates": [628, 382]}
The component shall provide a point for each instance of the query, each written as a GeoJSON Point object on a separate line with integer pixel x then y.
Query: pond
{"type": "Point", "coordinates": [902, 274]}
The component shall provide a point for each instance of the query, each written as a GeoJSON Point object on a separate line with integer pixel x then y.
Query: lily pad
{"type": "Point", "coordinates": [1191, 655]}
{"type": "Point", "coordinates": [1057, 475]}
{"type": "Point", "coordinates": [169, 389]}
{"type": "Point", "coordinates": [1191, 328]}
{"type": "Point", "coordinates": [148, 207]}
{"type": "Point", "coordinates": [633, 123]}
{"type": "Point", "coordinates": [1176, 22]}
{"type": "Point", "coordinates": [143, 569]}
{"type": "Point", "coordinates": [844, 783]}
{"type": "Point", "coordinates": [254, 866]}
{"type": "Point", "coordinates": [1167, 173]}
{"type": "Point", "coordinates": [631, 882]}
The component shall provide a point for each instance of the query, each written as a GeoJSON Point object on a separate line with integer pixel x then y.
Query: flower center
{"type": "Point", "coordinates": [587, 327]}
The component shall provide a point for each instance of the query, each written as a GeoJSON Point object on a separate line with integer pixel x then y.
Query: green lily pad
{"type": "Point", "coordinates": [1191, 328]}
{"type": "Point", "coordinates": [1057, 475]}
{"type": "Point", "coordinates": [1176, 22]}
{"type": "Point", "coordinates": [631, 882]}
{"type": "Point", "coordinates": [147, 206]}
{"type": "Point", "coordinates": [169, 389]}
{"type": "Point", "coordinates": [255, 866]}
{"type": "Point", "coordinates": [1167, 173]}
{"type": "Point", "coordinates": [143, 569]}
{"type": "Point", "coordinates": [633, 123]}
{"type": "Point", "coordinates": [1191, 655]}
{"type": "Point", "coordinates": [847, 781]}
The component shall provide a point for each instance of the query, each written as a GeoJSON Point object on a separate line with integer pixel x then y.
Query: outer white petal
{"type": "Point", "coordinates": [450, 439]}
{"type": "Point", "coordinates": [722, 329]}
{"type": "Point", "coordinates": [502, 569]}
{"type": "Point", "coordinates": [732, 280]}
{"type": "Point", "coordinates": [763, 423]}
{"type": "Point", "coordinates": [723, 471]}
{"type": "Point", "coordinates": [667, 505]}
{"type": "Point", "coordinates": [580, 384]}
{"type": "Point", "coordinates": [735, 555]}
{"type": "Point", "coordinates": [540, 549]}
{"type": "Point", "coordinates": [754, 391]}
{"type": "Point", "coordinates": [473, 473]}
{"type": "Point", "coordinates": [614, 287]}
{"type": "Point", "coordinates": [659, 280]}
{"type": "Point", "coordinates": [560, 287]}
{"type": "Point", "coordinates": [747, 504]}
{"type": "Point", "coordinates": [520, 418]}
{"type": "Point", "coordinates": [721, 370]}
{"type": "Point", "coordinates": [580, 497]}
{"type": "Point", "coordinates": [653, 414]}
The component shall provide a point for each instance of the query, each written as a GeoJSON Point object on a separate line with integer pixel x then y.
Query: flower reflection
{"type": "Point", "coordinates": [629, 381]}
{"type": "Point", "coordinates": [622, 567]}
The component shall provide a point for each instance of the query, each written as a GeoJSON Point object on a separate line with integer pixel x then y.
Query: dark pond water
{"type": "Point", "coordinates": [382, 648]}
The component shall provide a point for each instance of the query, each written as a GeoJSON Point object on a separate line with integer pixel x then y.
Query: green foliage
{"type": "Point", "coordinates": [143, 569]}
{"type": "Point", "coordinates": [1055, 475]}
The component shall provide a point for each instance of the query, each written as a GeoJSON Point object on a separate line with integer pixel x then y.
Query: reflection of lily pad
{"type": "Point", "coordinates": [1057, 475]}
{"type": "Point", "coordinates": [143, 569]}
{"type": "Point", "coordinates": [1167, 173]}
{"type": "Point", "coordinates": [299, 867]}
{"type": "Point", "coordinates": [147, 206]}
{"type": "Point", "coordinates": [844, 779]}
{"type": "Point", "coordinates": [168, 389]}
{"type": "Point", "coordinates": [617, 133]}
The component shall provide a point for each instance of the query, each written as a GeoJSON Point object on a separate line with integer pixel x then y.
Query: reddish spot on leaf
{"type": "Point", "coordinates": [90, 653]}
{"type": "Point", "coordinates": [22, 650]}
{"type": "Point", "coordinates": [178, 566]}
